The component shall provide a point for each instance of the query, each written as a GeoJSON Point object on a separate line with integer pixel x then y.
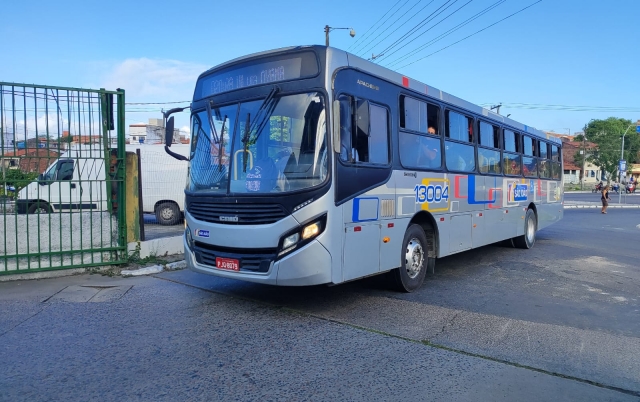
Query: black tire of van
{"type": "Point", "coordinates": [168, 213]}
{"type": "Point", "coordinates": [39, 208]}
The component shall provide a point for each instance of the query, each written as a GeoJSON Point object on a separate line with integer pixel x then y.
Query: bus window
{"type": "Point", "coordinates": [460, 157]}
{"type": "Point", "coordinates": [347, 151]}
{"type": "Point", "coordinates": [419, 151]}
{"type": "Point", "coordinates": [489, 135]}
{"type": "Point", "coordinates": [511, 163]}
{"type": "Point", "coordinates": [511, 143]}
{"type": "Point", "coordinates": [555, 155]}
{"type": "Point", "coordinates": [419, 116]}
{"type": "Point", "coordinates": [363, 143]}
{"type": "Point", "coordinates": [543, 149]}
{"type": "Point", "coordinates": [459, 127]}
{"type": "Point", "coordinates": [489, 161]}
{"type": "Point", "coordinates": [378, 141]}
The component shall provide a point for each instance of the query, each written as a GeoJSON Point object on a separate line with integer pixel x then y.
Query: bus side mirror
{"type": "Point", "coordinates": [336, 126]}
{"type": "Point", "coordinates": [168, 133]}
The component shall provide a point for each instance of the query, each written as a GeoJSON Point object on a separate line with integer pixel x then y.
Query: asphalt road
{"type": "Point", "coordinates": [557, 322]}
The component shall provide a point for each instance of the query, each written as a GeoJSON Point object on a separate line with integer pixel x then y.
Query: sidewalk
{"type": "Point", "coordinates": [594, 204]}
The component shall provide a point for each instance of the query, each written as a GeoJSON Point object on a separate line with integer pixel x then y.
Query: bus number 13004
{"type": "Point", "coordinates": [431, 193]}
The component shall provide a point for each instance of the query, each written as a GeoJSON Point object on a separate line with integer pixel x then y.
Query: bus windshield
{"type": "Point", "coordinates": [260, 147]}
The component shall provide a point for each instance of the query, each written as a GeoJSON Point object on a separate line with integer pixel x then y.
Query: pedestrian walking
{"type": "Point", "coordinates": [605, 199]}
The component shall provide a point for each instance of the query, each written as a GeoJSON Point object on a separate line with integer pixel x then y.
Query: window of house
{"type": "Point", "coordinates": [419, 116]}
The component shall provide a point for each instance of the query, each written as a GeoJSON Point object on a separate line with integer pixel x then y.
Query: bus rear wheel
{"type": "Point", "coordinates": [414, 261]}
{"type": "Point", "coordinates": [528, 239]}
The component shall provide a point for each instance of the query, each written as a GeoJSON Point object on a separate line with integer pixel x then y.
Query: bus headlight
{"type": "Point", "coordinates": [302, 235]}
{"type": "Point", "coordinates": [187, 235]}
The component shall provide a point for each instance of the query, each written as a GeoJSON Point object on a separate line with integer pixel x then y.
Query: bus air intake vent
{"type": "Point", "coordinates": [236, 214]}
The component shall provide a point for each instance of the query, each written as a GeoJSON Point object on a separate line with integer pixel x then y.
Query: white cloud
{"type": "Point", "coordinates": [146, 79]}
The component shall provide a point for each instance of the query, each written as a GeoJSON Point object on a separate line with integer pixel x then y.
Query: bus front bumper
{"type": "Point", "coordinates": [310, 265]}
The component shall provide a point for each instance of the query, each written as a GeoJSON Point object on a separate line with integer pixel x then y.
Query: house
{"type": "Point", "coordinates": [153, 133]}
{"type": "Point", "coordinates": [571, 151]}
{"type": "Point", "coordinates": [29, 160]}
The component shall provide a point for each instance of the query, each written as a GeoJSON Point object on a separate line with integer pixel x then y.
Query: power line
{"type": "Point", "coordinates": [467, 37]}
{"type": "Point", "coordinates": [364, 36]}
{"type": "Point", "coordinates": [381, 25]}
{"type": "Point", "coordinates": [432, 27]}
{"type": "Point", "coordinates": [569, 108]}
{"type": "Point", "coordinates": [417, 26]}
{"type": "Point", "coordinates": [445, 34]}
{"type": "Point", "coordinates": [393, 23]}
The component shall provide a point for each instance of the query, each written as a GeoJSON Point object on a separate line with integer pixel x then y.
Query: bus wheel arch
{"type": "Point", "coordinates": [528, 239]}
{"type": "Point", "coordinates": [167, 212]}
{"type": "Point", "coordinates": [428, 224]}
{"type": "Point", "coordinates": [417, 255]}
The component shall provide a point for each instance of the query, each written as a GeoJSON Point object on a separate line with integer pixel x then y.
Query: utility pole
{"type": "Point", "coordinates": [328, 29]}
{"type": "Point", "coordinates": [496, 107]}
{"type": "Point", "coordinates": [584, 159]}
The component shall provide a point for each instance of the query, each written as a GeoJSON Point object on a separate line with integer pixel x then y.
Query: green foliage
{"type": "Point", "coordinates": [607, 134]}
{"type": "Point", "coordinates": [18, 178]}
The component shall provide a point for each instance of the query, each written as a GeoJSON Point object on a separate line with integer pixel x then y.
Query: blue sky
{"type": "Point", "coordinates": [557, 52]}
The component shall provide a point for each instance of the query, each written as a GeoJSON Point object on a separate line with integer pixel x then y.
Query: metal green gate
{"type": "Point", "coordinates": [62, 170]}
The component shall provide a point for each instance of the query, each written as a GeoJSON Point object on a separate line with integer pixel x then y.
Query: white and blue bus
{"type": "Point", "coordinates": [311, 166]}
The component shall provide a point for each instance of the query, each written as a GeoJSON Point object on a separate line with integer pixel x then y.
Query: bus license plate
{"type": "Point", "coordinates": [227, 263]}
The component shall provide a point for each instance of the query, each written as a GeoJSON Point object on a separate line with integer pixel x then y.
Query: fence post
{"type": "Point", "coordinates": [131, 190]}
{"type": "Point", "coordinates": [140, 201]}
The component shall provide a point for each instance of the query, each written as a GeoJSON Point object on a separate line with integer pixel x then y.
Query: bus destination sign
{"type": "Point", "coordinates": [251, 75]}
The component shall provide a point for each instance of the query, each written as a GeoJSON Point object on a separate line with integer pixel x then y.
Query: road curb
{"type": "Point", "coordinates": [600, 206]}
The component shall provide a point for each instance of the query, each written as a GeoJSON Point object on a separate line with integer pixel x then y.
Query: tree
{"type": "Point", "coordinates": [607, 134]}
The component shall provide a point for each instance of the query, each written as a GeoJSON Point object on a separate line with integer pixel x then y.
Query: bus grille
{"type": "Point", "coordinates": [236, 214]}
{"type": "Point", "coordinates": [259, 260]}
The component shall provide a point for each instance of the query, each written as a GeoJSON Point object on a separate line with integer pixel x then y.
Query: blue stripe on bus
{"type": "Point", "coordinates": [355, 216]}
{"type": "Point", "coordinates": [471, 192]}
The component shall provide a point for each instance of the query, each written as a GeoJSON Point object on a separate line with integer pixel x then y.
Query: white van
{"type": "Point", "coordinates": [76, 181]}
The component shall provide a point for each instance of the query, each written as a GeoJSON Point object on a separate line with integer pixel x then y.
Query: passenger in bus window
{"type": "Point", "coordinates": [431, 130]}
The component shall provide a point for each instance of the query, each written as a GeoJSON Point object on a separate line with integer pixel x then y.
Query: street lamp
{"type": "Point", "coordinates": [637, 124]}
{"type": "Point", "coordinates": [328, 29]}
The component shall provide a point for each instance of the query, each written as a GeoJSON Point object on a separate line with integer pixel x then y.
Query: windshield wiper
{"type": "Point", "coordinates": [220, 147]}
{"type": "Point", "coordinates": [211, 125]}
{"type": "Point", "coordinates": [265, 110]}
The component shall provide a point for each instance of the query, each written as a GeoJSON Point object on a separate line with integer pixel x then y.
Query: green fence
{"type": "Point", "coordinates": [62, 193]}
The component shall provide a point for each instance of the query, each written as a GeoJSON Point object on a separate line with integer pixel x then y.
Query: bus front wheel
{"type": "Point", "coordinates": [414, 260]}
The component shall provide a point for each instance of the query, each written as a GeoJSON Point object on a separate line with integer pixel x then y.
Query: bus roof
{"type": "Point", "coordinates": [397, 78]}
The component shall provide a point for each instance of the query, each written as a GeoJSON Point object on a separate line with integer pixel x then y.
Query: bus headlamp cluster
{"type": "Point", "coordinates": [301, 236]}
{"type": "Point", "coordinates": [187, 235]}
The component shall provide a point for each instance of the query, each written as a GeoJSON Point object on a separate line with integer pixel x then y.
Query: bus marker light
{"type": "Point", "coordinates": [357, 229]}
{"type": "Point", "coordinates": [441, 219]}
{"type": "Point", "coordinates": [480, 214]}
{"type": "Point", "coordinates": [386, 240]}
{"type": "Point", "coordinates": [475, 226]}
{"type": "Point", "coordinates": [405, 82]}
{"type": "Point", "coordinates": [389, 225]}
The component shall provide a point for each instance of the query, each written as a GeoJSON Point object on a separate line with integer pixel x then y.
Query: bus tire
{"type": "Point", "coordinates": [528, 239]}
{"type": "Point", "coordinates": [39, 208]}
{"type": "Point", "coordinates": [167, 213]}
{"type": "Point", "coordinates": [414, 260]}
